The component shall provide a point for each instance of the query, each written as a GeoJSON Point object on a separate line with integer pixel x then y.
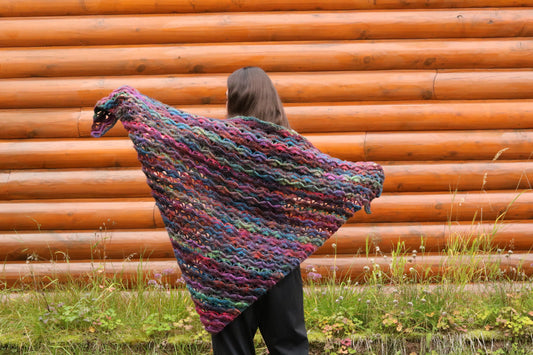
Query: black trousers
{"type": "Point", "coordinates": [279, 315]}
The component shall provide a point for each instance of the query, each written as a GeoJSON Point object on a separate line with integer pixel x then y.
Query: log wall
{"type": "Point", "coordinates": [439, 92]}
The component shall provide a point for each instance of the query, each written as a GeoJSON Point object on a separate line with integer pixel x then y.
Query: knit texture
{"type": "Point", "coordinates": [244, 201]}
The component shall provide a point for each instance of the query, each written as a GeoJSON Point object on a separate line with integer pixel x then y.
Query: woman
{"type": "Point", "coordinates": [279, 314]}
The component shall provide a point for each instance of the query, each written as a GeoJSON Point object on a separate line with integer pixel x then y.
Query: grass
{"type": "Point", "coordinates": [384, 315]}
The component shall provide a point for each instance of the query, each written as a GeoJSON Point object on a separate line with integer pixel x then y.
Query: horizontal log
{"type": "Point", "coordinates": [225, 58]}
{"type": "Point", "coordinates": [254, 27]}
{"type": "Point", "coordinates": [404, 238]}
{"type": "Point", "coordinates": [458, 176]}
{"type": "Point", "coordinates": [131, 182]}
{"type": "Point", "coordinates": [482, 84]}
{"type": "Point", "coordinates": [119, 7]}
{"type": "Point", "coordinates": [304, 118]}
{"type": "Point", "coordinates": [451, 207]}
{"type": "Point", "coordinates": [180, 90]}
{"type": "Point", "coordinates": [55, 153]}
{"type": "Point", "coordinates": [210, 89]}
{"type": "Point", "coordinates": [360, 239]}
{"type": "Point", "coordinates": [404, 146]}
{"type": "Point", "coordinates": [428, 267]}
{"type": "Point", "coordinates": [91, 214]}
{"type": "Point", "coordinates": [78, 214]}
{"type": "Point", "coordinates": [78, 245]}
{"type": "Point", "coordinates": [41, 274]}
{"type": "Point", "coordinates": [439, 145]}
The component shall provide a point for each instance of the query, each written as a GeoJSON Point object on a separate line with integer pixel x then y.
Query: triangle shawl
{"type": "Point", "coordinates": [244, 201]}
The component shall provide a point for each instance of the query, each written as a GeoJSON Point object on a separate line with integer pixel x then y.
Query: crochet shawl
{"type": "Point", "coordinates": [244, 201]}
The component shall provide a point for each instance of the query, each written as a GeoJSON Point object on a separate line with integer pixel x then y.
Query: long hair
{"type": "Point", "coordinates": [251, 93]}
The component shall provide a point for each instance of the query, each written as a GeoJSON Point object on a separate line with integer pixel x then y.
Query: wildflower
{"type": "Point", "coordinates": [314, 276]}
{"type": "Point", "coordinates": [152, 282]}
{"type": "Point", "coordinates": [367, 301]}
{"type": "Point", "coordinates": [334, 246]}
{"type": "Point", "coordinates": [310, 268]}
{"type": "Point", "coordinates": [411, 270]}
{"type": "Point", "coordinates": [444, 314]}
{"type": "Point", "coordinates": [410, 304]}
{"type": "Point", "coordinates": [395, 301]}
{"type": "Point", "coordinates": [180, 281]}
{"type": "Point", "coordinates": [372, 261]}
{"type": "Point", "coordinates": [334, 268]}
{"type": "Point", "coordinates": [402, 313]}
{"type": "Point", "coordinates": [377, 250]}
{"type": "Point", "coordinates": [157, 276]}
{"type": "Point", "coordinates": [422, 248]}
{"type": "Point", "coordinates": [167, 271]}
{"type": "Point", "coordinates": [366, 268]}
{"type": "Point", "coordinates": [346, 342]}
{"type": "Point", "coordinates": [60, 304]}
{"type": "Point", "coordinates": [423, 300]}
{"type": "Point", "coordinates": [414, 251]}
{"type": "Point", "coordinates": [499, 251]}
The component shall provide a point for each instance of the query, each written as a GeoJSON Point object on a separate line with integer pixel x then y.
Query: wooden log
{"type": "Point", "coordinates": [405, 146]}
{"type": "Point", "coordinates": [255, 27]}
{"type": "Point", "coordinates": [481, 84]}
{"type": "Point", "coordinates": [447, 207]}
{"type": "Point", "coordinates": [294, 87]}
{"type": "Point", "coordinates": [40, 123]}
{"type": "Point", "coordinates": [210, 89]}
{"type": "Point", "coordinates": [91, 214]}
{"type": "Point", "coordinates": [131, 182]}
{"type": "Point", "coordinates": [78, 214]}
{"type": "Point", "coordinates": [55, 153]}
{"type": "Point", "coordinates": [70, 183]}
{"type": "Point", "coordinates": [355, 239]}
{"type": "Point", "coordinates": [78, 245]}
{"type": "Point", "coordinates": [458, 176]}
{"type": "Point", "coordinates": [46, 274]}
{"type": "Point", "coordinates": [437, 145]}
{"type": "Point", "coordinates": [225, 58]}
{"type": "Point", "coordinates": [404, 238]}
{"type": "Point", "coordinates": [97, 7]}
{"type": "Point", "coordinates": [304, 118]}
{"type": "Point", "coordinates": [428, 267]}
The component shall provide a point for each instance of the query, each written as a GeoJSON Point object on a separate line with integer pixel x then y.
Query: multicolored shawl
{"type": "Point", "coordinates": [244, 201]}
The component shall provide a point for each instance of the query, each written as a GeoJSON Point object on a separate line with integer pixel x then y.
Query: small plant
{"type": "Point", "coordinates": [514, 323]}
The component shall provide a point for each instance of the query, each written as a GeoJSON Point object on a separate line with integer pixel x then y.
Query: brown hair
{"type": "Point", "coordinates": [251, 93]}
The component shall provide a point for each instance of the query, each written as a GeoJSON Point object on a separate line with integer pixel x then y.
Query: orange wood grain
{"type": "Point", "coordinates": [210, 89]}
{"type": "Point", "coordinates": [22, 274]}
{"type": "Point", "coordinates": [481, 84]}
{"type": "Point", "coordinates": [402, 146]}
{"type": "Point", "coordinates": [142, 212]}
{"type": "Point", "coordinates": [264, 26]}
{"type": "Point", "coordinates": [293, 87]}
{"type": "Point", "coordinates": [350, 239]}
{"type": "Point", "coordinates": [442, 207]}
{"type": "Point", "coordinates": [304, 118]}
{"type": "Point", "coordinates": [131, 182]}
{"type": "Point", "coordinates": [225, 58]}
{"type": "Point", "coordinates": [452, 145]}
{"type": "Point", "coordinates": [97, 7]}
{"type": "Point", "coordinates": [77, 214]}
